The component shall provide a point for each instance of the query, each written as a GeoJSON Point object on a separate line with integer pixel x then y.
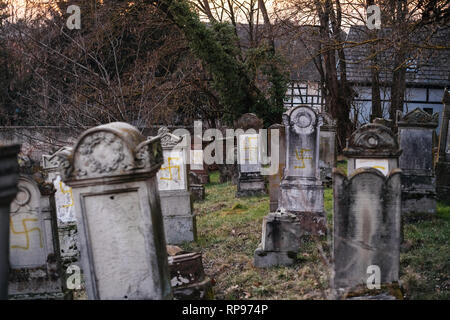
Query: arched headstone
{"type": "Point", "coordinates": [112, 171]}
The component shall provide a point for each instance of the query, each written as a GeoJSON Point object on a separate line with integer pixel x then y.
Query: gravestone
{"type": "Point", "coordinates": [34, 258]}
{"type": "Point", "coordinates": [301, 189]}
{"type": "Point", "coordinates": [250, 182]}
{"type": "Point", "coordinates": [442, 167]}
{"type": "Point", "coordinates": [275, 180]}
{"type": "Point", "coordinates": [415, 134]}
{"type": "Point", "coordinates": [65, 207]}
{"type": "Point", "coordinates": [196, 188]}
{"type": "Point", "coordinates": [327, 145]}
{"type": "Point", "coordinates": [9, 174]}
{"type": "Point", "coordinates": [112, 172]}
{"type": "Point", "coordinates": [176, 203]}
{"type": "Point", "coordinates": [373, 145]}
{"type": "Point", "coordinates": [300, 210]}
{"type": "Point", "coordinates": [367, 211]}
{"type": "Point", "coordinates": [197, 164]}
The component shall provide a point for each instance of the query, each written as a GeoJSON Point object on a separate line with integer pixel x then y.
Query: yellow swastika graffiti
{"type": "Point", "coordinates": [248, 148]}
{"type": "Point", "coordinates": [26, 232]}
{"type": "Point", "coordinates": [302, 157]}
{"type": "Point", "coordinates": [69, 191]}
{"type": "Point", "coordinates": [170, 167]}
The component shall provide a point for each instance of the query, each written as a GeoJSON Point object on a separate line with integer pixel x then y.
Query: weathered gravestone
{"type": "Point", "coordinates": [367, 212]}
{"type": "Point", "coordinates": [176, 204]}
{"type": "Point", "coordinates": [275, 180]}
{"type": "Point", "coordinates": [188, 278]}
{"type": "Point", "coordinates": [196, 188]}
{"type": "Point", "coordinates": [66, 222]}
{"type": "Point", "coordinates": [300, 209]}
{"type": "Point", "coordinates": [9, 174]}
{"type": "Point", "coordinates": [34, 258]}
{"type": "Point", "coordinates": [327, 152]}
{"type": "Point", "coordinates": [112, 171]}
{"type": "Point", "coordinates": [65, 207]}
{"type": "Point", "coordinates": [442, 167]}
{"type": "Point", "coordinates": [250, 182]}
{"type": "Point", "coordinates": [415, 134]}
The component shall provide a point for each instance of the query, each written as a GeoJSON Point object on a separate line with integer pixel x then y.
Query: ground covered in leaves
{"type": "Point", "coordinates": [229, 230]}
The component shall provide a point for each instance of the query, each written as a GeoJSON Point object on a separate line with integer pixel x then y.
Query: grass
{"type": "Point", "coordinates": [229, 230]}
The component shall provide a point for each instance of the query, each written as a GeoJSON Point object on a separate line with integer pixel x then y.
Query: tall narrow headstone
{"type": "Point", "coordinates": [415, 134]}
{"type": "Point", "coordinates": [301, 189]}
{"type": "Point", "coordinates": [176, 203]}
{"type": "Point", "coordinates": [367, 211]}
{"type": "Point", "coordinates": [9, 174]}
{"type": "Point", "coordinates": [275, 180]}
{"type": "Point", "coordinates": [442, 167]}
{"type": "Point", "coordinates": [327, 145]}
{"type": "Point", "coordinates": [34, 258]}
{"type": "Point", "coordinates": [300, 209]}
{"type": "Point", "coordinates": [69, 247]}
{"type": "Point", "coordinates": [112, 171]}
{"type": "Point", "coordinates": [250, 182]}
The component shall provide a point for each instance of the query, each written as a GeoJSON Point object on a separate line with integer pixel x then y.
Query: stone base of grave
{"type": "Point", "coordinates": [197, 192]}
{"type": "Point", "coordinates": [41, 296]}
{"type": "Point", "coordinates": [188, 279]}
{"type": "Point", "coordinates": [197, 291]}
{"type": "Point", "coordinates": [179, 221]}
{"type": "Point", "coordinates": [418, 197]}
{"type": "Point", "coordinates": [39, 283]}
{"type": "Point", "coordinates": [442, 171]}
{"type": "Point", "coordinates": [306, 202]}
{"type": "Point", "coordinates": [280, 241]}
{"type": "Point", "coordinates": [389, 291]}
{"type": "Point", "coordinates": [250, 185]}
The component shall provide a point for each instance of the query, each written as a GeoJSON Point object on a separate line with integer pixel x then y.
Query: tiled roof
{"type": "Point", "coordinates": [426, 66]}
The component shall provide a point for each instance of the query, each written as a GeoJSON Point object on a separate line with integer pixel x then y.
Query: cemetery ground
{"type": "Point", "coordinates": [229, 230]}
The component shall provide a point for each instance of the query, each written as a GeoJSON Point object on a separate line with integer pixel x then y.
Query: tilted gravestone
{"type": "Point", "coordinates": [176, 204]}
{"type": "Point", "coordinates": [300, 208]}
{"type": "Point", "coordinates": [9, 174]}
{"type": "Point", "coordinates": [250, 182]}
{"type": "Point", "coordinates": [112, 171]}
{"type": "Point", "coordinates": [415, 134]}
{"type": "Point", "coordinates": [34, 258]}
{"type": "Point", "coordinates": [442, 167]}
{"type": "Point", "coordinates": [275, 180]}
{"type": "Point", "coordinates": [367, 212]}
{"type": "Point", "coordinates": [327, 145]}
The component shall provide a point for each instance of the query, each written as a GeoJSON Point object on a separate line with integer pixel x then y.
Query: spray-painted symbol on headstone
{"type": "Point", "coordinates": [302, 157]}
{"type": "Point", "coordinates": [26, 232]}
{"type": "Point", "coordinates": [68, 191]}
{"type": "Point", "coordinates": [170, 167]}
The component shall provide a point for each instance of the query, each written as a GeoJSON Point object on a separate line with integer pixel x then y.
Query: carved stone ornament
{"type": "Point", "coordinates": [418, 117]}
{"type": "Point", "coordinates": [58, 161]}
{"type": "Point", "coordinates": [303, 119]}
{"type": "Point", "coordinates": [168, 140]}
{"type": "Point", "coordinates": [328, 122]}
{"type": "Point", "coordinates": [112, 149]}
{"type": "Point", "coordinates": [372, 140]}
